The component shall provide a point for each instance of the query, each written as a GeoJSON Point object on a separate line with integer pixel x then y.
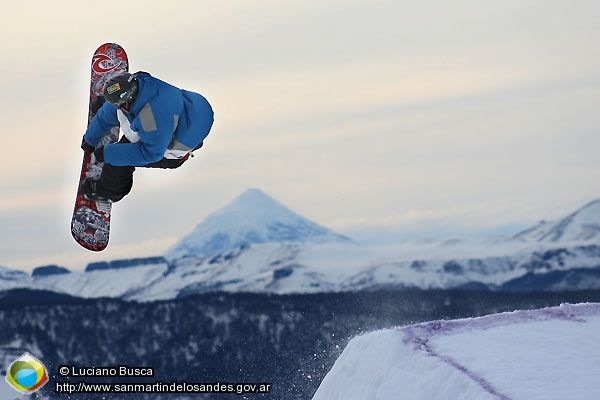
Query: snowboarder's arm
{"type": "Point", "coordinates": [104, 121]}
{"type": "Point", "coordinates": [131, 154]}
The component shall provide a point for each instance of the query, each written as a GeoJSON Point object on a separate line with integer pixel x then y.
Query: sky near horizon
{"type": "Point", "coordinates": [368, 117]}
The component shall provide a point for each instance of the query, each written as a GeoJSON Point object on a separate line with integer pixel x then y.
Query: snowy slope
{"type": "Point", "coordinates": [541, 354]}
{"type": "Point", "coordinates": [582, 225]}
{"type": "Point", "coordinates": [308, 267]}
{"type": "Point", "coordinates": [288, 268]}
{"type": "Point", "coordinates": [252, 218]}
{"type": "Point", "coordinates": [122, 283]}
{"type": "Point", "coordinates": [304, 268]}
{"type": "Point", "coordinates": [10, 279]}
{"type": "Point", "coordinates": [103, 283]}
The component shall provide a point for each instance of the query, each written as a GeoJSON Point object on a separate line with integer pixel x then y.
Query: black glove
{"type": "Point", "coordinates": [99, 154]}
{"type": "Point", "coordinates": [85, 146]}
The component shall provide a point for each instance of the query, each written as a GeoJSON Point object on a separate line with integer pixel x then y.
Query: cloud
{"type": "Point", "coordinates": [353, 113]}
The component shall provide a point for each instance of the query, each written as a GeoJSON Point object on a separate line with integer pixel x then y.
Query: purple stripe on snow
{"type": "Point", "coordinates": [419, 335]}
{"type": "Point", "coordinates": [422, 343]}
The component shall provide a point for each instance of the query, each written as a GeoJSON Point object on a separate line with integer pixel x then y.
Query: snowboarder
{"type": "Point", "coordinates": [161, 126]}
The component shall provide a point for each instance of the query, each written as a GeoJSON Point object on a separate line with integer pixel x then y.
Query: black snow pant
{"type": "Point", "coordinates": [116, 181]}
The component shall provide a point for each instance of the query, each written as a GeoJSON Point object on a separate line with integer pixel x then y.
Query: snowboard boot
{"type": "Point", "coordinates": [93, 191]}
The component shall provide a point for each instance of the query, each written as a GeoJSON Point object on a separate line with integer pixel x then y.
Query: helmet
{"type": "Point", "coordinates": [121, 89]}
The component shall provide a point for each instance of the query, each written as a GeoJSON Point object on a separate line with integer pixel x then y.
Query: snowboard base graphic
{"type": "Point", "coordinates": [90, 224]}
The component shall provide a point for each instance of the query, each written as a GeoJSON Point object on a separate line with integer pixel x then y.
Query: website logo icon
{"type": "Point", "coordinates": [26, 374]}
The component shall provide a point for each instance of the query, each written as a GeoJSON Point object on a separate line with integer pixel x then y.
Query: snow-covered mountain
{"type": "Point", "coordinates": [545, 354]}
{"type": "Point", "coordinates": [582, 225]}
{"type": "Point", "coordinates": [257, 245]}
{"type": "Point", "coordinates": [10, 278]}
{"type": "Point", "coordinates": [252, 218]}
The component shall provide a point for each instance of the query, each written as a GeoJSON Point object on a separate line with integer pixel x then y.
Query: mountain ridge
{"type": "Point", "coordinates": [258, 255]}
{"type": "Point", "coordinates": [581, 225]}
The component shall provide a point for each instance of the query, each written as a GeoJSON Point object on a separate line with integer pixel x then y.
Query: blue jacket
{"type": "Point", "coordinates": [163, 116]}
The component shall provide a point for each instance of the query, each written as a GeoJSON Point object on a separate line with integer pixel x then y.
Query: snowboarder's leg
{"type": "Point", "coordinates": [167, 163]}
{"type": "Point", "coordinates": [115, 183]}
{"type": "Point", "coordinates": [172, 163]}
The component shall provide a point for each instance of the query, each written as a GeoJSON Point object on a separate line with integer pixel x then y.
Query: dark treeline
{"type": "Point", "coordinates": [290, 341]}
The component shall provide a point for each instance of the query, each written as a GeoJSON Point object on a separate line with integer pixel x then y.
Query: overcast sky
{"type": "Point", "coordinates": [415, 118]}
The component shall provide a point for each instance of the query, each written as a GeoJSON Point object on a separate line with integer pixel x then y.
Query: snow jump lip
{"type": "Point", "coordinates": [548, 353]}
{"type": "Point", "coordinates": [419, 335]}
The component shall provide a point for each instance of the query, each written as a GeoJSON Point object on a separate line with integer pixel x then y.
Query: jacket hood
{"type": "Point", "coordinates": [146, 92]}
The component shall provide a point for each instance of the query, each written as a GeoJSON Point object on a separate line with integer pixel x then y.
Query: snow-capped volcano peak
{"type": "Point", "coordinates": [254, 207]}
{"type": "Point", "coordinates": [251, 218]}
{"type": "Point", "coordinates": [582, 225]}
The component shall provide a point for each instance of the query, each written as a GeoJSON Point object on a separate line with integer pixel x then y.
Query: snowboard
{"type": "Point", "coordinates": [90, 224]}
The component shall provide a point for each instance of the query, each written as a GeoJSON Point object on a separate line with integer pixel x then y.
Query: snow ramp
{"type": "Point", "coordinates": [550, 353]}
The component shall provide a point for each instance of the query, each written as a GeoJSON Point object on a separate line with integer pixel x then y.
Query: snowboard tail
{"type": "Point", "coordinates": [90, 224]}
